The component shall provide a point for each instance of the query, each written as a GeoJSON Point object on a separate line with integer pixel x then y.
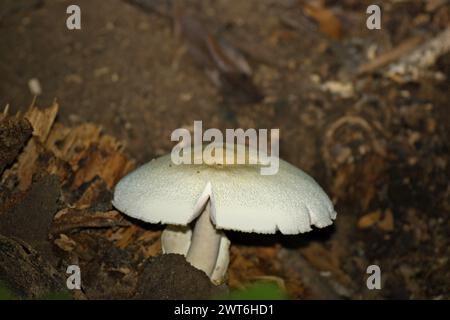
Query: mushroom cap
{"type": "Point", "coordinates": [241, 198]}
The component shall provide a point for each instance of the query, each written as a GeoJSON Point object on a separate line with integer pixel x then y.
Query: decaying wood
{"type": "Point", "coordinates": [411, 59]}
{"type": "Point", "coordinates": [67, 170]}
{"type": "Point", "coordinates": [14, 132]}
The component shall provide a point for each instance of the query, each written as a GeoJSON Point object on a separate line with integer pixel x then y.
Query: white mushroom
{"type": "Point", "coordinates": [221, 196]}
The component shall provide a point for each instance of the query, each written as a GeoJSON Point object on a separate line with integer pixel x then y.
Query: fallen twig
{"type": "Point", "coordinates": [416, 63]}
{"type": "Point", "coordinates": [390, 56]}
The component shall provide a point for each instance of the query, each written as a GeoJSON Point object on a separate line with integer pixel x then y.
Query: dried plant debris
{"type": "Point", "coordinates": [226, 67]}
{"type": "Point", "coordinates": [170, 276]}
{"type": "Point", "coordinates": [72, 220]}
{"type": "Point", "coordinates": [329, 23]}
{"type": "Point", "coordinates": [412, 59]}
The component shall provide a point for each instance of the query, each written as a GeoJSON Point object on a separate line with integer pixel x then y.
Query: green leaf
{"type": "Point", "coordinates": [257, 291]}
{"type": "Point", "coordinates": [5, 293]}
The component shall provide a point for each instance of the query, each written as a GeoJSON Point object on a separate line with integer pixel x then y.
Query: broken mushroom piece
{"type": "Point", "coordinates": [216, 196]}
{"type": "Point", "coordinates": [177, 239]}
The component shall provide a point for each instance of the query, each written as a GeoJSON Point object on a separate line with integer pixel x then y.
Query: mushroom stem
{"type": "Point", "coordinates": [205, 243]}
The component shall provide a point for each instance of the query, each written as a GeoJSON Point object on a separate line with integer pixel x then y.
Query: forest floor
{"type": "Point", "coordinates": [365, 112]}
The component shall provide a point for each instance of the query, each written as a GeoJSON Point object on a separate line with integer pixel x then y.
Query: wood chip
{"type": "Point", "coordinates": [369, 219]}
{"type": "Point", "coordinates": [329, 24]}
{"type": "Point", "coordinates": [42, 120]}
{"type": "Point", "coordinates": [65, 243]}
{"type": "Point", "coordinates": [387, 222]}
{"type": "Point", "coordinates": [382, 220]}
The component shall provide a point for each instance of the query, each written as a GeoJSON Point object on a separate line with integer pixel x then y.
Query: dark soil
{"type": "Point", "coordinates": [170, 276]}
